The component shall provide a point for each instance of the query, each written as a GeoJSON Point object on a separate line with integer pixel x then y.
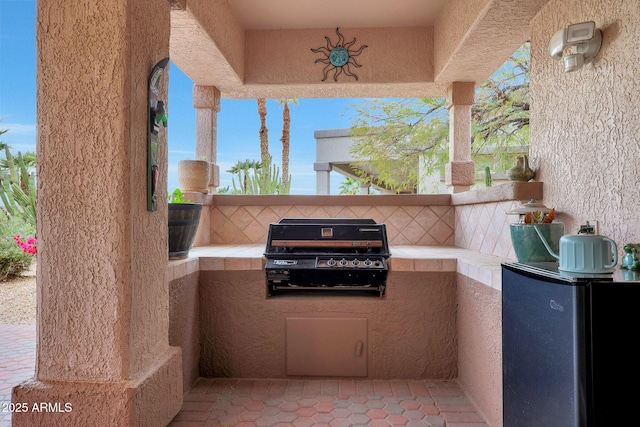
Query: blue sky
{"type": "Point", "coordinates": [238, 120]}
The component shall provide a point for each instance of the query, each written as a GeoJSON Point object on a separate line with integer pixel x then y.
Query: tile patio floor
{"type": "Point", "coordinates": [280, 403]}
{"type": "Point", "coordinates": [326, 403]}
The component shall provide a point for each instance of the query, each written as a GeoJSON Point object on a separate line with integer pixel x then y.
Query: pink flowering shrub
{"type": "Point", "coordinates": [14, 257]}
{"type": "Point", "coordinates": [28, 246]}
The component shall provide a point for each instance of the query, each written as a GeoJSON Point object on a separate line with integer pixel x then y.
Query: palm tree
{"type": "Point", "coordinates": [264, 132]}
{"type": "Point", "coordinates": [286, 137]}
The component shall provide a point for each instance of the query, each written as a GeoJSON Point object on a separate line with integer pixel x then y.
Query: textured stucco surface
{"type": "Point", "coordinates": [460, 173]}
{"type": "Point", "coordinates": [284, 57]}
{"type": "Point", "coordinates": [479, 328]}
{"type": "Point", "coordinates": [194, 28]}
{"type": "Point", "coordinates": [460, 133]}
{"type": "Point", "coordinates": [142, 401]}
{"type": "Point", "coordinates": [473, 37]}
{"type": "Point", "coordinates": [585, 126]}
{"type": "Point", "coordinates": [184, 326]}
{"type": "Point", "coordinates": [209, 43]}
{"type": "Point", "coordinates": [412, 333]}
{"type": "Point", "coordinates": [82, 240]}
{"type": "Point", "coordinates": [455, 20]}
{"type": "Point", "coordinates": [206, 101]}
{"type": "Point", "coordinates": [102, 287]}
{"type": "Point", "coordinates": [99, 294]}
{"type": "Point", "coordinates": [147, 239]}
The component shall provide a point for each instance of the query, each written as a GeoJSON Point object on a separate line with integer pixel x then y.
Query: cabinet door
{"type": "Point", "coordinates": [327, 346]}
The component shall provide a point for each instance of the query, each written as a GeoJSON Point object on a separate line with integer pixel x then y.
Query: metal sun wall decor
{"type": "Point", "coordinates": [339, 57]}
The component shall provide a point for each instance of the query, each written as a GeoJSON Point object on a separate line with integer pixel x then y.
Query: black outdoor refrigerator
{"type": "Point", "coordinates": [570, 353]}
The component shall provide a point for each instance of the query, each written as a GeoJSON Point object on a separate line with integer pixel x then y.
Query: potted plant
{"type": "Point", "coordinates": [184, 217]}
{"type": "Point", "coordinates": [193, 175]}
{"type": "Point", "coordinates": [526, 243]}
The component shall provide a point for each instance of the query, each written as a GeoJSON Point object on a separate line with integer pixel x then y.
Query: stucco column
{"type": "Point", "coordinates": [206, 100]}
{"type": "Point", "coordinates": [460, 171]}
{"type": "Point", "coordinates": [323, 177]}
{"type": "Point", "coordinates": [103, 355]}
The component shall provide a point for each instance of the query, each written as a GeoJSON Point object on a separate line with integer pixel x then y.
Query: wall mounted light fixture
{"type": "Point", "coordinates": [581, 41]}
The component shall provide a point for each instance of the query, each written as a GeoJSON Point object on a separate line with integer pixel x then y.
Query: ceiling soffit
{"type": "Point", "coordinates": [207, 42]}
{"type": "Point", "coordinates": [467, 42]}
{"type": "Point", "coordinates": [301, 14]}
{"type": "Point", "coordinates": [487, 37]}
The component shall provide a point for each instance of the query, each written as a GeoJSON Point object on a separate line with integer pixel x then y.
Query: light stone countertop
{"type": "Point", "coordinates": [475, 265]}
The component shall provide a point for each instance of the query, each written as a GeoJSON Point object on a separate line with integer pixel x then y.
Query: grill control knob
{"type": "Point", "coordinates": [343, 261]}
{"type": "Point", "coordinates": [367, 262]}
{"type": "Point", "coordinates": [355, 262]}
{"type": "Point", "coordinates": [331, 262]}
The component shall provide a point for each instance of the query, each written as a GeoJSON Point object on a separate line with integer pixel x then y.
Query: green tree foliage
{"type": "Point", "coordinates": [393, 136]}
{"type": "Point", "coordinates": [500, 115]}
{"type": "Point", "coordinates": [349, 186]}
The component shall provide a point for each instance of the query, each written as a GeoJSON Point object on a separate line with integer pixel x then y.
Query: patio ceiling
{"type": "Point", "coordinates": [262, 48]}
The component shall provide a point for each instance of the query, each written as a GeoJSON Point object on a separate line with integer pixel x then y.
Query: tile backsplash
{"type": "Point", "coordinates": [485, 228]}
{"type": "Point", "coordinates": [406, 225]}
{"type": "Point", "coordinates": [481, 226]}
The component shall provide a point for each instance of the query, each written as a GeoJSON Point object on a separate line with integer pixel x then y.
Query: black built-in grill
{"type": "Point", "coordinates": [315, 255]}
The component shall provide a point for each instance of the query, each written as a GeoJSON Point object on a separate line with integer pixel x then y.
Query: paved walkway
{"type": "Point", "coordinates": [17, 362]}
{"type": "Point", "coordinates": [216, 402]}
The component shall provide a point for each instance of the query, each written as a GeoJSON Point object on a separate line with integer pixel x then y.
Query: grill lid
{"type": "Point", "coordinates": [317, 254]}
{"type": "Point", "coordinates": [309, 236]}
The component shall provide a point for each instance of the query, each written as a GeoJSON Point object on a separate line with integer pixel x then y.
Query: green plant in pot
{"type": "Point", "coordinates": [184, 217]}
{"type": "Point", "coordinates": [526, 242]}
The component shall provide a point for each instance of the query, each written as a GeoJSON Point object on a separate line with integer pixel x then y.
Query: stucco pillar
{"type": "Point", "coordinates": [206, 100]}
{"type": "Point", "coordinates": [103, 355]}
{"type": "Point", "coordinates": [323, 177]}
{"type": "Point", "coordinates": [460, 171]}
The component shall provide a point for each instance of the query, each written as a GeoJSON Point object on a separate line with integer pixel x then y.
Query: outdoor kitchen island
{"type": "Point", "coordinates": [227, 327]}
{"type": "Point", "coordinates": [440, 317]}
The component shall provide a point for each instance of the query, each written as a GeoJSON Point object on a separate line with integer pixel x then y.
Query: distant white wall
{"type": "Point", "coordinates": [333, 146]}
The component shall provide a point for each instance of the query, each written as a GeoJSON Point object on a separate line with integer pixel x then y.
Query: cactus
{"type": "Point", "coordinates": [488, 182]}
{"type": "Point", "coordinates": [258, 178]}
{"type": "Point", "coordinates": [17, 185]}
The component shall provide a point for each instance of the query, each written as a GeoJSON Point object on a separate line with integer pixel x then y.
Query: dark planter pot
{"type": "Point", "coordinates": [183, 224]}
